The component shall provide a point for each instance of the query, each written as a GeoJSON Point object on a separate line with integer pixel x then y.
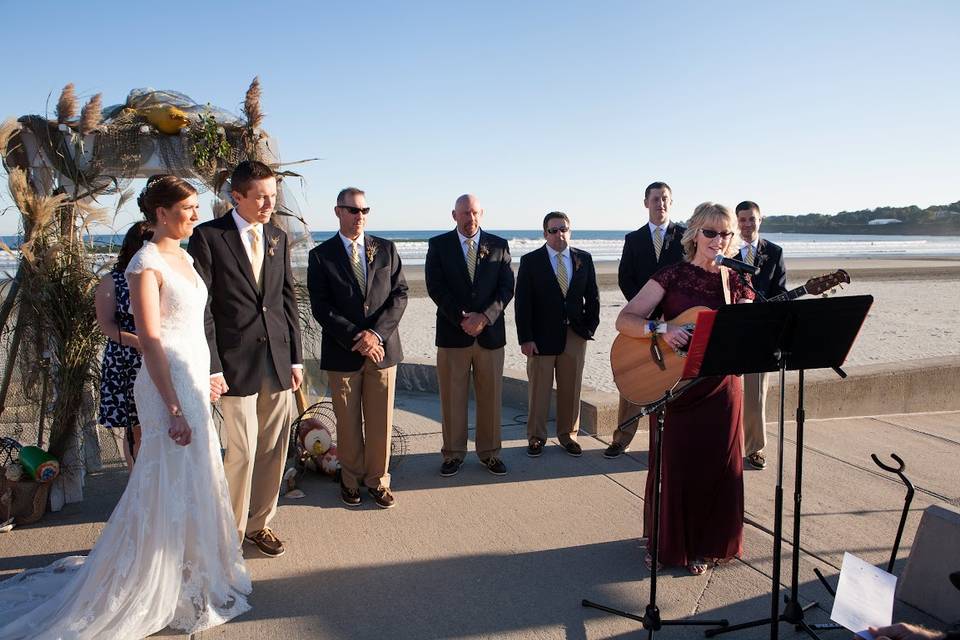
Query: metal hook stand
{"type": "Point", "coordinates": [898, 471]}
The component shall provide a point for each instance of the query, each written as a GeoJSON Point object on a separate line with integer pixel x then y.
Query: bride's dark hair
{"type": "Point", "coordinates": [162, 190]}
{"type": "Point", "coordinates": [137, 234]}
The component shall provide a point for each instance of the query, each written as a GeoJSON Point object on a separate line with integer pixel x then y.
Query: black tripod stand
{"type": "Point", "coordinates": [651, 616]}
{"type": "Point", "coordinates": [798, 342]}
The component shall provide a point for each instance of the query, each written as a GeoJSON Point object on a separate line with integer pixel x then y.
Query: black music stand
{"type": "Point", "coordinates": [784, 336]}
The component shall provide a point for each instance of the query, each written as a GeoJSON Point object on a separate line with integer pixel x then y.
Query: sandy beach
{"type": "Point", "coordinates": [914, 315]}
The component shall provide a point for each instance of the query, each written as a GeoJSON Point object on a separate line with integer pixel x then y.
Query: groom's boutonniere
{"type": "Point", "coordinates": [484, 250]}
{"type": "Point", "coordinates": [274, 241]}
{"type": "Point", "coordinates": [371, 251]}
{"type": "Point", "coordinates": [576, 262]}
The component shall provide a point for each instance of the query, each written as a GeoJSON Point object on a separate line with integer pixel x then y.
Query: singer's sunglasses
{"type": "Point", "coordinates": [556, 230]}
{"type": "Point", "coordinates": [354, 210]}
{"type": "Point", "coordinates": [710, 233]}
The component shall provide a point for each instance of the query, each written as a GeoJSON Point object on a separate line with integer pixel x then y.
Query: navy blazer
{"type": "Point", "coordinates": [344, 310]}
{"type": "Point", "coordinates": [771, 279]}
{"type": "Point", "coordinates": [639, 261]}
{"type": "Point", "coordinates": [448, 283]}
{"type": "Point", "coordinates": [247, 326]}
{"type": "Point", "coordinates": [543, 313]}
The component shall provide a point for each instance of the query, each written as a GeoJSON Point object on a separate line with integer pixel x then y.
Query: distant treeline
{"type": "Point", "coordinates": [935, 220]}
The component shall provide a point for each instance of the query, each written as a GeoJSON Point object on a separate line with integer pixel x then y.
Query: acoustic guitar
{"type": "Point", "coordinates": [643, 368]}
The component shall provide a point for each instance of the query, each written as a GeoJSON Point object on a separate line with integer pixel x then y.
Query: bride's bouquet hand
{"type": "Point", "coordinates": [179, 430]}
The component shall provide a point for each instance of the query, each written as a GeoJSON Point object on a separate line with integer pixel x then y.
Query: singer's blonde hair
{"type": "Point", "coordinates": [713, 214]}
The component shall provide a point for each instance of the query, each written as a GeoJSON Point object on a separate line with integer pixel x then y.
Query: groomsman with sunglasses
{"type": "Point", "coordinates": [557, 309]}
{"type": "Point", "coordinates": [358, 294]}
{"type": "Point", "coordinates": [770, 281]}
{"type": "Point", "coordinates": [468, 276]}
{"type": "Point", "coordinates": [650, 248]}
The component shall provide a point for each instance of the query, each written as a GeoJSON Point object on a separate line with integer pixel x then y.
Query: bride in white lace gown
{"type": "Point", "coordinates": [169, 554]}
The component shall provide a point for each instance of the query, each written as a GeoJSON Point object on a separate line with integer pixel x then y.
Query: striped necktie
{"type": "Point", "coordinates": [658, 242]}
{"type": "Point", "coordinates": [357, 266]}
{"type": "Point", "coordinates": [471, 257]}
{"type": "Point", "coordinates": [562, 274]}
{"type": "Point", "coordinates": [751, 254]}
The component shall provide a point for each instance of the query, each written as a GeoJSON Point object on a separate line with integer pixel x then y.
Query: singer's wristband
{"type": "Point", "coordinates": [653, 326]}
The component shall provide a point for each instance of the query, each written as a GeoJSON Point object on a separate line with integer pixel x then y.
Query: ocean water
{"type": "Point", "coordinates": [606, 245]}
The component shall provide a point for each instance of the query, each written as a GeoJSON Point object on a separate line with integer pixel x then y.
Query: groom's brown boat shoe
{"type": "Point", "coordinates": [268, 543]}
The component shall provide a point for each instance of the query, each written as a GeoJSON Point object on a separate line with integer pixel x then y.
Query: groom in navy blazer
{"type": "Point", "coordinates": [358, 294]}
{"type": "Point", "coordinates": [557, 310]}
{"type": "Point", "coordinates": [253, 330]}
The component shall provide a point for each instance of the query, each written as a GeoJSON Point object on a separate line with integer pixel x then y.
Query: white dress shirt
{"type": "Point", "coordinates": [653, 229]}
{"type": "Point", "coordinates": [567, 261]}
{"type": "Point", "coordinates": [245, 227]}
{"type": "Point", "coordinates": [463, 243]}
{"type": "Point", "coordinates": [755, 244]}
{"type": "Point", "coordinates": [347, 245]}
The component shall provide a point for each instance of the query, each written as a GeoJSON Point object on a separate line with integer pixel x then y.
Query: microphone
{"type": "Point", "coordinates": [736, 265]}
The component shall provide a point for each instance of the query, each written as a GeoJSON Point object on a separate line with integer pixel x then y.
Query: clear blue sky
{"type": "Point", "coordinates": [803, 107]}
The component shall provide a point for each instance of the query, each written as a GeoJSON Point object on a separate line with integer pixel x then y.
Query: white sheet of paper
{"type": "Point", "coordinates": [864, 596]}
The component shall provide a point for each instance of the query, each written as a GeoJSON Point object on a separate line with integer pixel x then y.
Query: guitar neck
{"type": "Point", "coordinates": [793, 294]}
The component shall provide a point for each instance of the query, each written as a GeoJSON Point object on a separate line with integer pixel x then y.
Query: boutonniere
{"type": "Point", "coordinates": [576, 262]}
{"type": "Point", "coordinates": [484, 250]}
{"type": "Point", "coordinates": [274, 241]}
{"type": "Point", "coordinates": [371, 251]}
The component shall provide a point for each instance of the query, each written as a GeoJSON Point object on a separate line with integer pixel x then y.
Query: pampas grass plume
{"type": "Point", "coordinates": [251, 105]}
{"type": "Point", "coordinates": [67, 105]}
{"type": "Point", "coordinates": [91, 115]}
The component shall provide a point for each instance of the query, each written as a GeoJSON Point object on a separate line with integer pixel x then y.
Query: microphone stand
{"type": "Point", "coordinates": [651, 619]}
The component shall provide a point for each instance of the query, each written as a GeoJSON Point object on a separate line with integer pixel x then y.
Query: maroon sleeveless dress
{"type": "Point", "coordinates": [701, 504]}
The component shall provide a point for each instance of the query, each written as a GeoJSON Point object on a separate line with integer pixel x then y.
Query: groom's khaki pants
{"type": "Point", "coordinates": [256, 431]}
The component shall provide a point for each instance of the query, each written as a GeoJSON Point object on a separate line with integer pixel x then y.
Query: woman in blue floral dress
{"type": "Point", "coordinates": [121, 357]}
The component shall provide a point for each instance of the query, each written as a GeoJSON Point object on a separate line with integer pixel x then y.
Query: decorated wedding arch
{"type": "Point", "coordinates": [61, 170]}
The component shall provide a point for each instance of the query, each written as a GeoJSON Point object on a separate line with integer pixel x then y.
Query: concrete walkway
{"type": "Point", "coordinates": [479, 556]}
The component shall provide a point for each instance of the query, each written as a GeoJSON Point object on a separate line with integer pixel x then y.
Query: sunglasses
{"type": "Point", "coordinates": [710, 233]}
{"type": "Point", "coordinates": [355, 210]}
{"type": "Point", "coordinates": [556, 230]}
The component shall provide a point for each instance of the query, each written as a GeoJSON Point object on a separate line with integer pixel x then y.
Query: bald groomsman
{"type": "Point", "coordinates": [770, 281]}
{"type": "Point", "coordinates": [650, 248]}
{"type": "Point", "coordinates": [358, 295]}
{"type": "Point", "coordinates": [557, 309]}
{"type": "Point", "coordinates": [468, 276]}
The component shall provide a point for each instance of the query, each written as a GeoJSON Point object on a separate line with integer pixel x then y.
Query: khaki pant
{"type": "Point", "coordinates": [628, 410]}
{"type": "Point", "coordinates": [256, 431]}
{"type": "Point", "coordinates": [755, 387]}
{"type": "Point", "coordinates": [454, 366]}
{"type": "Point", "coordinates": [363, 404]}
{"type": "Point", "coordinates": [568, 367]}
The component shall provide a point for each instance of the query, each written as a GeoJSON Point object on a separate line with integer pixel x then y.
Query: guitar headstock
{"type": "Point", "coordinates": [823, 284]}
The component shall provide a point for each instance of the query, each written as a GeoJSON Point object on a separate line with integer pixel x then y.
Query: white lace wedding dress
{"type": "Point", "coordinates": [169, 555]}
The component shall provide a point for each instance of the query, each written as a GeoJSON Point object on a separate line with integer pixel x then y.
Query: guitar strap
{"type": "Point", "coordinates": [725, 280]}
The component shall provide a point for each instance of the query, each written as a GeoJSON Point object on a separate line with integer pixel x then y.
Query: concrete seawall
{"type": "Point", "coordinates": [931, 384]}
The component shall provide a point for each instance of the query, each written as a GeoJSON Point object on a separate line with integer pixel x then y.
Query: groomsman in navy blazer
{"type": "Point", "coordinates": [468, 276]}
{"type": "Point", "coordinates": [770, 281]}
{"type": "Point", "coordinates": [557, 309]}
{"type": "Point", "coordinates": [358, 295]}
{"type": "Point", "coordinates": [650, 248]}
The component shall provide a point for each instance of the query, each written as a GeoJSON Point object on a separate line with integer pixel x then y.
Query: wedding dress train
{"type": "Point", "coordinates": [169, 554]}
